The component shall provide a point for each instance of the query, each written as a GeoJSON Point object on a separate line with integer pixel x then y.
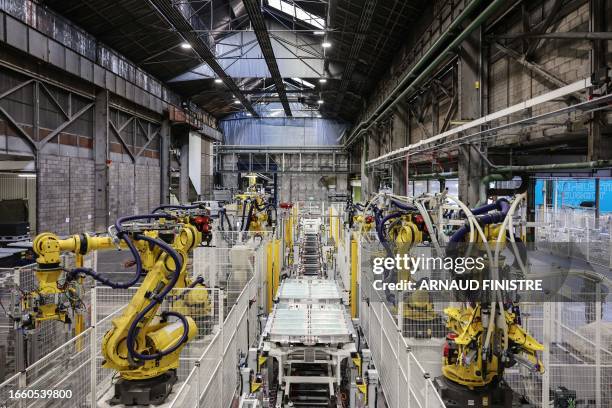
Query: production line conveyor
{"type": "Point", "coordinates": [308, 341]}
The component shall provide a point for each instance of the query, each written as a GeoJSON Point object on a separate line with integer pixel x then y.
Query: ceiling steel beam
{"type": "Point", "coordinates": [175, 19]}
{"type": "Point", "coordinates": [532, 66]}
{"type": "Point", "coordinates": [362, 28]}
{"type": "Point", "coordinates": [550, 18]}
{"type": "Point", "coordinates": [261, 32]}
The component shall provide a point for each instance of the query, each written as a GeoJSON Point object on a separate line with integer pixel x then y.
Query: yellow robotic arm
{"type": "Point", "coordinates": [142, 345]}
{"type": "Point", "coordinates": [46, 303]}
{"type": "Point", "coordinates": [485, 335]}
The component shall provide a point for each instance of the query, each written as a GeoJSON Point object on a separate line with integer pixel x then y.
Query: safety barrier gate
{"type": "Point", "coordinates": [404, 382]}
{"type": "Point", "coordinates": [214, 378]}
{"type": "Point", "coordinates": [208, 374]}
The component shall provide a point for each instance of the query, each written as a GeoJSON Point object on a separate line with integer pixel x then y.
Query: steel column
{"type": "Point", "coordinates": [101, 156]}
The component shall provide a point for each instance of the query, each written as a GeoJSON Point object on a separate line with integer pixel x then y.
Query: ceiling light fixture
{"type": "Point", "coordinates": [320, 101]}
{"type": "Point", "coordinates": [249, 114]}
{"type": "Point", "coordinates": [322, 80]}
{"type": "Point", "coordinates": [185, 46]}
{"type": "Point", "coordinates": [318, 32]}
{"type": "Point", "coordinates": [326, 44]}
{"type": "Point", "coordinates": [218, 81]}
{"type": "Point", "coordinates": [236, 101]}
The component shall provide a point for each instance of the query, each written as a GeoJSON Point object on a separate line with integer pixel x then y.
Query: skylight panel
{"type": "Point", "coordinates": [298, 13]}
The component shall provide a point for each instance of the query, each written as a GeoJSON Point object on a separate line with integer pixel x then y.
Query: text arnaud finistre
{"type": "Point", "coordinates": [459, 265]}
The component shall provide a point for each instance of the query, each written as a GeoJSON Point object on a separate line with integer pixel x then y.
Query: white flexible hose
{"type": "Point", "coordinates": [502, 232]}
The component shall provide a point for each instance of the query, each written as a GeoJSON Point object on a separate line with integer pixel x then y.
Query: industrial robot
{"type": "Point", "coordinates": [143, 346]}
{"type": "Point", "coordinates": [485, 334]}
{"type": "Point", "coordinates": [402, 225]}
{"type": "Point", "coordinates": [254, 209]}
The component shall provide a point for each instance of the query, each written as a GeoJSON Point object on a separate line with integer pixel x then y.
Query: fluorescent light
{"type": "Point", "coordinates": [318, 32]}
{"type": "Point", "coordinates": [236, 101]}
{"type": "Point", "coordinates": [322, 80]}
{"type": "Point", "coordinates": [218, 81]}
{"type": "Point", "coordinates": [27, 175]}
{"type": "Point", "coordinates": [326, 44]}
{"type": "Point", "coordinates": [320, 101]}
{"type": "Point", "coordinates": [185, 46]}
{"type": "Point", "coordinates": [304, 83]}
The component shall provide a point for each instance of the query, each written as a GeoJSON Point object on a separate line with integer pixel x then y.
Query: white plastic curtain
{"type": "Point", "coordinates": [240, 129]}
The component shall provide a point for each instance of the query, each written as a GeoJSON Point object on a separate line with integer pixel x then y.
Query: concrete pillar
{"type": "Point", "coordinates": [207, 169]}
{"type": "Point", "coordinates": [184, 173]}
{"type": "Point", "coordinates": [401, 126]}
{"type": "Point", "coordinates": [471, 166]}
{"type": "Point", "coordinates": [599, 142]}
{"type": "Point", "coordinates": [101, 156]}
{"type": "Point", "coordinates": [399, 177]}
{"type": "Point", "coordinates": [470, 77]}
{"type": "Point", "coordinates": [164, 162]}
{"type": "Point", "coordinates": [470, 173]}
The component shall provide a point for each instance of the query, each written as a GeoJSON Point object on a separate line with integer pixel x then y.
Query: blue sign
{"type": "Point", "coordinates": [573, 192]}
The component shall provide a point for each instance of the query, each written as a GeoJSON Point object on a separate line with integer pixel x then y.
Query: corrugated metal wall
{"type": "Point", "coordinates": [15, 187]}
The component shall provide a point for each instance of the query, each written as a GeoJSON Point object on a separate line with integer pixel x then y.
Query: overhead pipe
{"type": "Point", "coordinates": [490, 178]}
{"type": "Point", "coordinates": [434, 176]}
{"type": "Point", "coordinates": [595, 164]}
{"type": "Point", "coordinates": [392, 99]}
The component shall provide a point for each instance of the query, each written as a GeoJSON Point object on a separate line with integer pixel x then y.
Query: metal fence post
{"type": "Point", "coordinates": [546, 334]}
{"type": "Point", "coordinates": [92, 352]}
{"type": "Point", "coordinates": [598, 345]}
{"type": "Point", "coordinates": [588, 239]}
{"type": "Point", "coordinates": [426, 393]}
{"type": "Point", "coordinates": [610, 243]}
{"type": "Point", "coordinates": [197, 366]}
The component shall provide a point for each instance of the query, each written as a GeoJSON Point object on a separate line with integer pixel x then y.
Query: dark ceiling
{"type": "Point", "coordinates": [134, 29]}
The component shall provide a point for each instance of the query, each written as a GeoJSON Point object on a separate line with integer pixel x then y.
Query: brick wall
{"type": "Point", "coordinates": [66, 193]}
{"type": "Point", "coordinates": [134, 189]}
{"type": "Point", "coordinates": [154, 179]}
{"type": "Point", "coordinates": [568, 60]}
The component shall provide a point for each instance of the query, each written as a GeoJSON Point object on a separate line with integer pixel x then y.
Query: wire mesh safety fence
{"type": "Point", "coordinates": [575, 233]}
{"type": "Point", "coordinates": [21, 342]}
{"type": "Point", "coordinates": [404, 381]}
{"type": "Point", "coordinates": [216, 370]}
{"type": "Point", "coordinates": [231, 261]}
{"type": "Point", "coordinates": [59, 379]}
{"type": "Point", "coordinates": [576, 335]}
{"type": "Point", "coordinates": [577, 340]}
{"type": "Point", "coordinates": [203, 305]}
{"type": "Point", "coordinates": [8, 388]}
{"type": "Point", "coordinates": [8, 334]}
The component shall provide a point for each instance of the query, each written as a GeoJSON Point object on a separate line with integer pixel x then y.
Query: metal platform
{"type": "Point", "coordinates": [310, 255]}
{"type": "Point", "coordinates": [308, 324]}
{"type": "Point", "coordinates": [304, 290]}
